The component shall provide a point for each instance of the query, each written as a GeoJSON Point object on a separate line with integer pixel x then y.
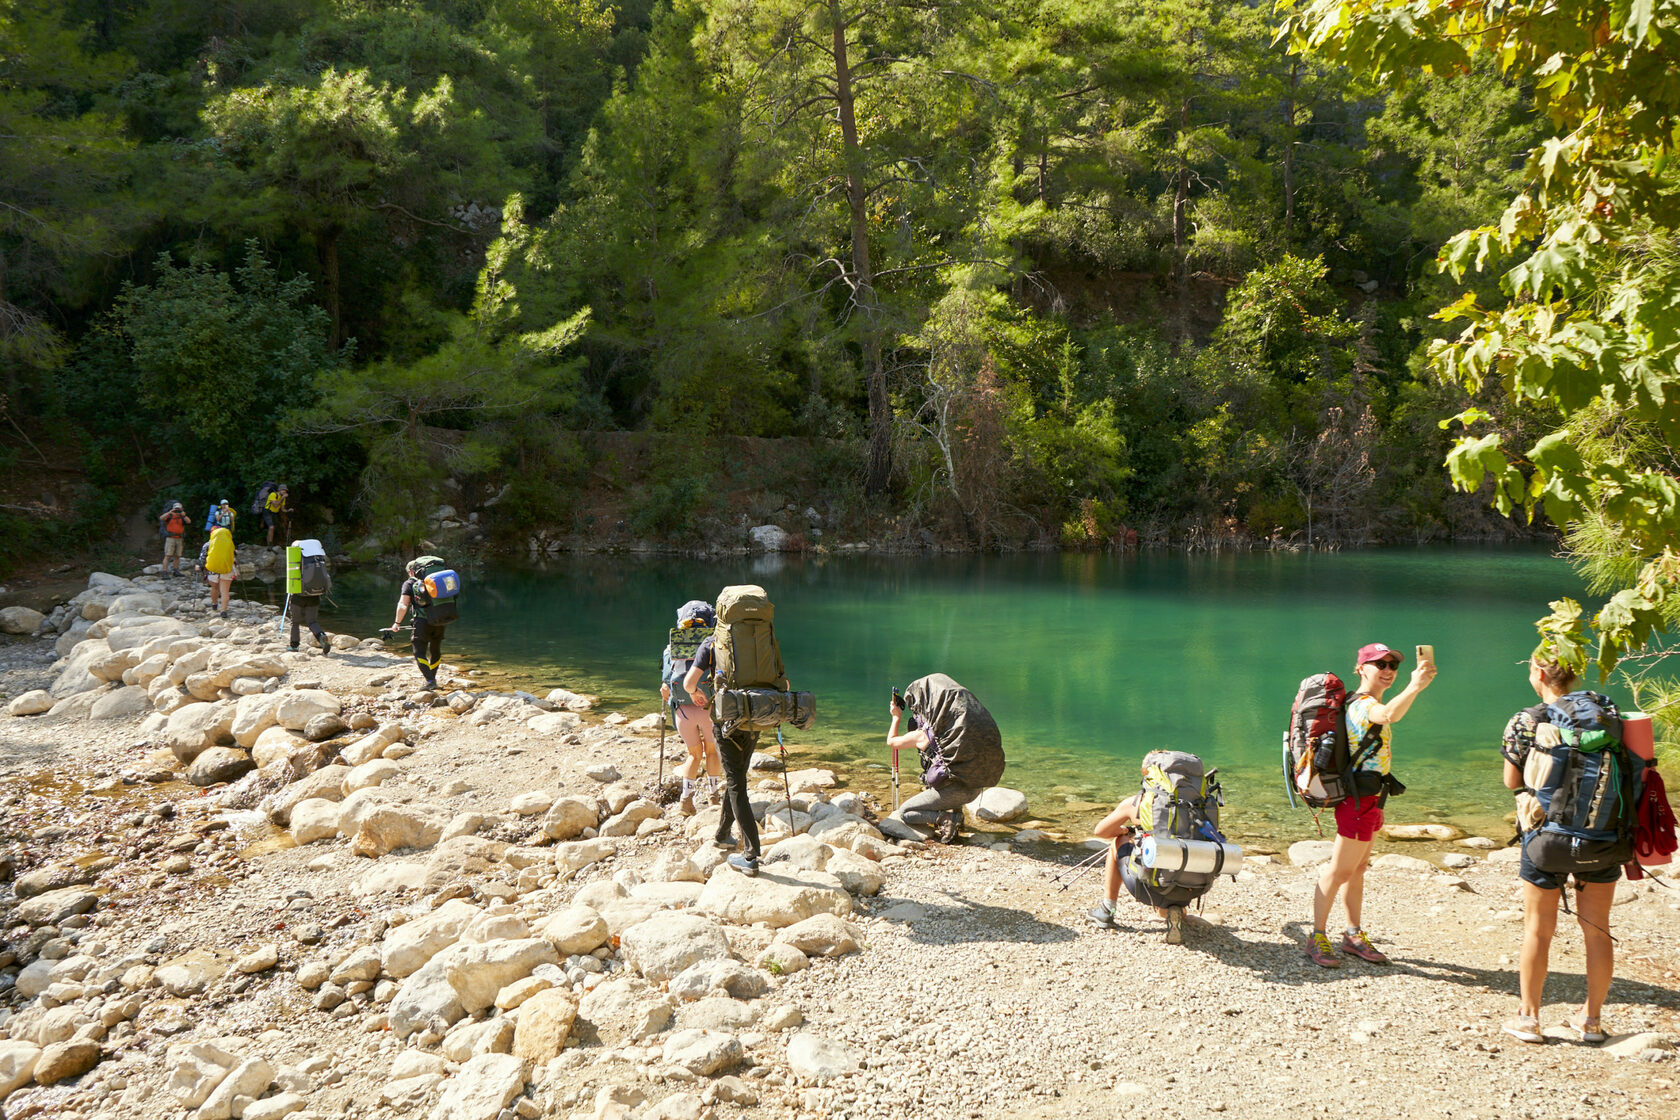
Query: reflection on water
{"type": "Point", "coordinates": [1087, 660]}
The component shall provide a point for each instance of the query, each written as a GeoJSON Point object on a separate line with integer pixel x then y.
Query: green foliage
{"type": "Point", "coordinates": [1591, 315]}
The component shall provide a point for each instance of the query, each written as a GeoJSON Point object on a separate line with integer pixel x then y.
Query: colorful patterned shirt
{"type": "Point", "coordinates": [1359, 723]}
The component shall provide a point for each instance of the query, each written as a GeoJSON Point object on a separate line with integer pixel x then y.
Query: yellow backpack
{"type": "Point", "coordinates": [220, 557]}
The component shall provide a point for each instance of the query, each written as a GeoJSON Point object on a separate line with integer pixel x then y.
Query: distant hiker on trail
{"type": "Point", "coordinates": [960, 747]}
{"type": "Point", "coordinates": [216, 558]}
{"type": "Point", "coordinates": [307, 579]}
{"type": "Point", "coordinates": [221, 516]}
{"type": "Point", "coordinates": [276, 514]}
{"type": "Point", "coordinates": [1576, 785]}
{"type": "Point", "coordinates": [1360, 817]}
{"type": "Point", "coordinates": [693, 632]}
{"type": "Point", "coordinates": [172, 523]}
{"type": "Point", "coordinates": [430, 592]}
{"type": "Point", "coordinates": [1165, 845]}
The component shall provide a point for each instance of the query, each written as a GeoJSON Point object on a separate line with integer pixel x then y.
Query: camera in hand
{"type": "Point", "coordinates": [898, 701]}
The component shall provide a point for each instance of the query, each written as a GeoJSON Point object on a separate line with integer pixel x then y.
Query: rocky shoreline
{"type": "Point", "coordinates": [246, 882]}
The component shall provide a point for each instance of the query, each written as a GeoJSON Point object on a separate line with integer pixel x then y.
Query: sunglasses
{"type": "Point", "coordinates": [1390, 665]}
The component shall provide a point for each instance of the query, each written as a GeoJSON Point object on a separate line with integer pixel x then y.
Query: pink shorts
{"type": "Point", "coordinates": [1359, 818]}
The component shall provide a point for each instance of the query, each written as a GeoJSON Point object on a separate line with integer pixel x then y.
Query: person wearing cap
{"type": "Point", "coordinates": [1360, 816]}
{"type": "Point", "coordinates": [172, 523]}
{"type": "Point", "coordinates": [694, 721]}
{"type": "Point", "coordinates": [277, 514]}
{"type": "Point", "coordinates": [222, 517]}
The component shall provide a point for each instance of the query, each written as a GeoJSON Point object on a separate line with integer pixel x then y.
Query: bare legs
{"type": "Point", "coordinates": [1345, 873]}
{"type": "Point", "coordinates": [1540, 913]}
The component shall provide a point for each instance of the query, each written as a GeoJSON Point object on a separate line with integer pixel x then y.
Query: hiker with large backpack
{"type": "Point", "coordinates": [695, 622]}
{"type": "Point", "coordinates": [273, 504]}
{"type": "Point", "coordinates": [216, 558]}
{"type": "Point", "coordinates": [960, 747]}
{"type": "Point", "coordinates": [1576, 786]}
{"type": "Point", "coordinates": [172, 524]}
{"type": "Point", "coordinates": [1359, 813]}
{"type": "Point", "coordinates": [432, 593]}
{"type": "Point", "coordinates": [307, 580]}
{"type": "Point", "coordinates": [1165, 846]}
{"type": "Point", "coordinates": [749, 693]}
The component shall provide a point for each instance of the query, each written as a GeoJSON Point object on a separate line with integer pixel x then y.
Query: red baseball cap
{"type": "Point", "coordinates": [1374, 652]}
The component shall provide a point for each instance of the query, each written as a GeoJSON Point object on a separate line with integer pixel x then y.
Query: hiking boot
{"type": "Point", "coordinates": [1175, 925]}
{"type": "Point", "coordinates": [1320, 953]}
{"type": "Point", "coordinates": [1103, 914]}
{"type": "Point", "coordinates": [291, 649]}
{"type": "Point", "coordinates": [745, 864]}
{"type": "Point", "coordinates": [686, 805]}
{"type": "Point", "coordinates": [723, 845]}
{"type": "Point", "coordinates": [1360, 946]}
{"type": "Point", "coordinates": [946, 830]}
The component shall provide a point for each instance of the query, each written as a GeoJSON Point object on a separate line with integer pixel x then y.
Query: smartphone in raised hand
{"type": "Point", "coordinates": [898, 701]}
{"type": "Point", "coordinates": [1426, 654]}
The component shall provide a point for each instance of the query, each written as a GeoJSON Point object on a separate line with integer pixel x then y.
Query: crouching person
{"type": "Point", "coordinates": [1165, 846]}
{"type": "Point", "coordinates": [961, 752]}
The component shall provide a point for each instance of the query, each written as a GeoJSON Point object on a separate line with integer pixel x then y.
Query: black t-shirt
{"type": "Point", "coordinates": [705, 660]}
{"type": "Point", "coordinates": [414, 591]}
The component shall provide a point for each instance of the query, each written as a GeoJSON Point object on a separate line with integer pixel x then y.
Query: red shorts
{"type": "Point", "coordinates": [1359, 818]}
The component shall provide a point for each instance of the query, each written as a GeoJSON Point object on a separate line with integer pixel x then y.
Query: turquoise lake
{"type": "Point", "coordinates": [1086, 660]}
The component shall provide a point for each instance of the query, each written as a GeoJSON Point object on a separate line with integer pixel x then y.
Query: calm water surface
{"type": "Point", "coordinates": [1087, 661]}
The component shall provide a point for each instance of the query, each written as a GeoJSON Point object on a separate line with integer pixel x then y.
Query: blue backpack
{"type": "Point", "coordinates": [1587, 787]}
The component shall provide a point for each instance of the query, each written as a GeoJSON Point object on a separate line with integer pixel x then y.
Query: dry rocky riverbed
{"type": "Point", "coordinates": [243, 882]}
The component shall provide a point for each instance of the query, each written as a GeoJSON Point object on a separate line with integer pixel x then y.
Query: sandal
{"type": "Point", "coordinates": [1525, 1028]}
{"type": "Point", "coordinates": [1588, 1029]}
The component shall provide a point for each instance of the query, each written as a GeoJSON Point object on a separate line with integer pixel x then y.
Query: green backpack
{"type": "Point", "coordinates": [745, 641]}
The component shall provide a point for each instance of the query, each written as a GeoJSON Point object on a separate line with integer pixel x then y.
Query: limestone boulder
{"type": "Point", "coordinates": [820, 1059]}
{"type": "Point", "coordinates": [136, 602]}
{"type": "Point", "coordinates": [297, 707]}
{"type": "Point", "coordinates": [545, 1020]}
{"type": "Point", "coordinates": [195, 1069]}
{"type": "Point", "coordinates": [64, 1060]}
{"type": "Point", "coordinates": [123, 703]}
{"type": "Point", "coordinates": [1394, 861]}
{"type": "Point", "coordinates": [233, 663]}
{"type": "Point", "coordinates": [482, 1088]}
{"type": "Point", "coordinates": [274, 746]}
{"type": "Point", "coordinates": [573, 857]}
{"type": "Point", "coordinates": [389, 827]}
{"type": "Point", "coordinates": [671, 941]}
{"type": "Point", "coordinates": [822, 935]}
{"type": "Point", "coordinates": [371, 774]}
{"type": "Point", "coordinates": [626, 822]}
{"type": "Point", "coordinates": [997, 804]}
{"type": "Point", "coordinates": [412, 944]}
{"type": "Point", "coordinates": [53, 907]}
{"type": "Point", "coordinates": [858, 874]}
{"type": "Point", "coordinates": [478, 972]}
{"type": "Point", "coordinates": [1307, 853]}
{"type": "Point", "coordinates": [373, 744]}
{"type": "Point", "coordinates": [567, 817]}
{"type": "Point", "coordinates": [252, 715]}
{"type": "Point", "coordinates": [1423, 832]}
{"type": "Point", "coordinates": [20, 620]}
{"type": "Point", "coordinates": [703, 1052]}
{"type": "Point", "coordinates": [315, 819]}
{"type": "Point", "coordinates": [77, 676]}
{"type": "Point", "coordinates": [734, 979]}
{"type": "Point", "coordinates": [17, 1065]}
{"type": "Point", "coordinates": [462, 858]}
{"type": "Point", "coordinates": [575, 930]}
{"type": "Point", "coordinates": [113, 665]}
{"type": "Point", "coordinates": [775, 897]}
{"type": "Point", "coordinates": [249, 1079]}
{"type": "Point", "coordinates": [219, 764]}
{"type": "Point", "coordinates": [138, 630]}
{"type": "Point", "coordinates": [196, 728]}
{"type": "Point", "coordinates": [624, 1009]}
{"type": "Point", "coordinates": [32, 703]}
{"type": "Point", "coordinates": [326, 783]}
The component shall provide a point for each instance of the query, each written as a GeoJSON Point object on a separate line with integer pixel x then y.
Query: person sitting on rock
{"type": "Point", "coordinates": [961, 752]}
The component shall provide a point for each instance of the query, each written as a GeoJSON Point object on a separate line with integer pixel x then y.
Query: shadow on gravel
{"type": "Point", "coordinates": [964, 920]}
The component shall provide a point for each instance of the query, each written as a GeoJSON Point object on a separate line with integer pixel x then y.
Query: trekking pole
{"type": "Point", "coordinates": [786, 786]}
{"type": "Point", "coordinates": [895, 780]}
{"type": "Point", "coordinates": [659, 782]}
{"type": "Point", "coordinates": [1074, 873]}
{"type": "Point", "coordinates": [280, 627]}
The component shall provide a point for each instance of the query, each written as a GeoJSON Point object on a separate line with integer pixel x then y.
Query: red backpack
{"type": "Point", "coordinates": [1318, 763]}
{"type": "Point", "coordinates": [175, 523]}
{"type": "Point", "coordinates": [1653, 828]}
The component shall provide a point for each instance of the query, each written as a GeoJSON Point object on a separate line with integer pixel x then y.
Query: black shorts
{"type": "Point", "coordinates": [1547, 881]}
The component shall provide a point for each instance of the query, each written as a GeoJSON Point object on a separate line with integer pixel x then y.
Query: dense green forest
{"type": "Point", "coordinates": [1018, 272]}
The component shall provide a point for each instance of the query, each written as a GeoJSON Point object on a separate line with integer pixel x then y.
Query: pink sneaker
{"type": "Point", "coordinates": [1360, 946]}
{"type": "Point", "coordinates": [1320, 953]}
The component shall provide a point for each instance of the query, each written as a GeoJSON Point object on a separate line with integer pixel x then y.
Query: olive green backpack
{"type": "Point", "coordinates": [745, 641]}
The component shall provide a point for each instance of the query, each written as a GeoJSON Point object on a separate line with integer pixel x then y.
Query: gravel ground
{"type": "Point", "coordinates": [982, 990]}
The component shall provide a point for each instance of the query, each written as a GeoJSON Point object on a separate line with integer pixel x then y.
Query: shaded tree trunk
{"type": "Point", "coordinates": [327, 252]}
{"type": "Point", "coordinates": [863, 275]}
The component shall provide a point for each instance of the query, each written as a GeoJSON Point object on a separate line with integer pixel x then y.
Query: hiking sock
{"type": "Point", "coordinates": [688, 787]}
{"type": "Point", "coordinates": [1354, 931]}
